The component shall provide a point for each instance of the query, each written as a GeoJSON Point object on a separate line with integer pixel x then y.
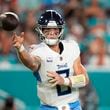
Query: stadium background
{"type": "Point", "coordinates": [87, 22]}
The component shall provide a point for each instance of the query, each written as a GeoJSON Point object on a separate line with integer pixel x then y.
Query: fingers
{"type": "Point", "coordinates": [54, 84]}
{"type": "Point", "coordinates": [17, 40]}
{"type": "Point", "coordinates": [51, 74]}
{"type": "Point", "coordinates": [14, 38]}
{"type": "Point", "coordinates": [14, 35]}
{"type": "Point", "coordinates": [22, 34]}
{"type": "Point", "coordinates": [54, 79]}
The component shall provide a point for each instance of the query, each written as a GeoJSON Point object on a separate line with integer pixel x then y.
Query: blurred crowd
{"type": "Point", "coordinates": [9, 104]}
{"type": "Point", "coordinates": [87, 22]}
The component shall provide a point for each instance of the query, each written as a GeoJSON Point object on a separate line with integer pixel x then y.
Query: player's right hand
{"type": "Point", "coordinates": [18, 40]}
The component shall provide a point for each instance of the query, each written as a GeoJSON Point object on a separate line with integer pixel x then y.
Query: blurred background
{"type": "Point", "coordinates": [87, 22]}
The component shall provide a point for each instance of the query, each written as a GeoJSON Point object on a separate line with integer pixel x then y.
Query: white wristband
{"type": "Point", "coordinates": [22, 48]}
{"type": "Point", "coordinates": [66, 81]}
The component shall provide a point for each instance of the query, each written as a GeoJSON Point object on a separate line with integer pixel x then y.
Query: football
{"type": "Point", "coordinates": [9, 21]}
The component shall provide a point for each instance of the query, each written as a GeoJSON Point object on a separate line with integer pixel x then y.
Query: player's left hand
{"type": "Point", "coordinates": [55, 78]}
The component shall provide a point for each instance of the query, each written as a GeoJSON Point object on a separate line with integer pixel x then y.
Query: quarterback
{"type": "Point", "coordinates": [55, 63]}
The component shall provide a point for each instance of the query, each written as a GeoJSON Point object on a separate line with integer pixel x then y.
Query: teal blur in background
{"type": "Point", "coordinates": [19, 82]}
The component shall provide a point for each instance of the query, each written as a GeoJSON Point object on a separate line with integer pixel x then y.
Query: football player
{"type": "Point", "coordinates": [55, 64]}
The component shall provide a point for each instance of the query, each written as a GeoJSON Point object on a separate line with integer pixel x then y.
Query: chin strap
{"type": "Point", "coordinates": [51, 41]}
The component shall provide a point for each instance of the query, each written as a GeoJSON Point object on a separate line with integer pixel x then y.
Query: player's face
{"type": "Point", "coordinates": [51, 33]}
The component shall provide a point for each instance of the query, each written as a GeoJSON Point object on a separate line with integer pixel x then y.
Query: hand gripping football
{"type": "Point", "coordinates": [9, 21]}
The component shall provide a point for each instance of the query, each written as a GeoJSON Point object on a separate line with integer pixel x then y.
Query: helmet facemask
{"type": "Point", "coordinates": [49, 22]}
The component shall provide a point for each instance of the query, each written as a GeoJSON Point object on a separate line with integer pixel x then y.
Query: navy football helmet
{"type": "Point", "coordinates": [50, 19]}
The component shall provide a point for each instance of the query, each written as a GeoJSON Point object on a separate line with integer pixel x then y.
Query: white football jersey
{"type": "Point", "coordinates": [60, 63]}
